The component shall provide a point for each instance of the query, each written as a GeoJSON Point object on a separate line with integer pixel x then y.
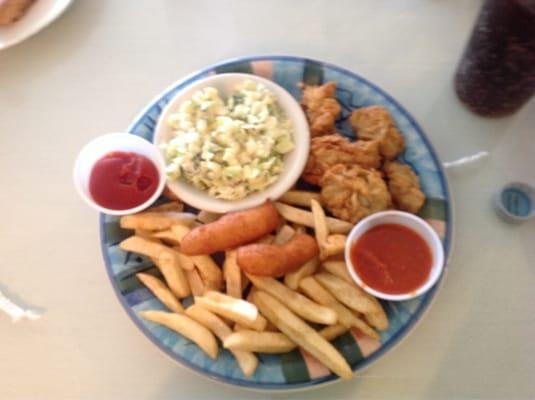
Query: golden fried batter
{"type": "Point", "coordinates": [321, 108]}
{"type": "Point", "coordinates": [351, 192]}
{"type": "Point", "coordinates": [404, 186]}
{"type": "Point", "coordinates": [376, 123]}
{"type": "Point", "coordinates": [326, 151]}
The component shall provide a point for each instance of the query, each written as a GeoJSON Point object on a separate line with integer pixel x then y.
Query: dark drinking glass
{"type": "Point", "coordinates": [496, 75]}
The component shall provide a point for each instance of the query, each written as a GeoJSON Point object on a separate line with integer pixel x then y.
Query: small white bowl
{"type": "Point", "coordinates": [102, 145]}
{"type": "Point", "coordinates": [421, 227]}
{"type": "Point", "coordinates": [294, 162]}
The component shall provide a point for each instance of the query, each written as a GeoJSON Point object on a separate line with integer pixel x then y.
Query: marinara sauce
{"type": "Point", "coordinates": [392, 259]}
{"type": "Point", "coordinates": [123, 180]}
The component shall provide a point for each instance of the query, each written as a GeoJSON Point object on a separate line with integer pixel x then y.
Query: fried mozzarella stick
{"type": "Point", "coordinates": [231, 230]}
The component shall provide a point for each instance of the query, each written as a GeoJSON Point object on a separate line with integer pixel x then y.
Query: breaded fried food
{"type": "Point", "coordinates": [404, 186]}
{"type": "Point", "coordinates": [376, 123]}
{"type": "Point", "coordinates": [326, 151]}
{"type": "Point", "coordinates": [231, 230]}
{"type": "Point", "coordinates": [351, 192]}
{"type": "Point", "coordinates": [13, 10]}
{"type": "Point", "coordinates": [321, 108]}
{"type": "Point", "coordinates": [272, 260]}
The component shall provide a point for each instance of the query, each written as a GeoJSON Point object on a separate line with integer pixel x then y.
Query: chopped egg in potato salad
{"type": "Point", "coordinates": [229, 149]}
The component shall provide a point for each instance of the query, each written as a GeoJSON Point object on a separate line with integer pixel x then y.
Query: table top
{"type": "Point", "coordinates": [93, 70]}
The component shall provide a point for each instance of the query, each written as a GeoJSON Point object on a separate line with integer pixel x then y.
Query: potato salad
{"type": "Point", "coordinates": [230, 148]}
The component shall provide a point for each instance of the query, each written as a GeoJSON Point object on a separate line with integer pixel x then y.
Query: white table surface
{"type": "Point", "coordinates": [96, 67]}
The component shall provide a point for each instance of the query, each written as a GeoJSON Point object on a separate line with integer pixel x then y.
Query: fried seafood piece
{"type": "Point", "coordinates": [321, 108]}
{"type": "Point", "coordinates": [351, 192]}
{"type": "Point", "coordinates": [326, 151]}
{"type": "Point", "coordinates": [404, 186]}
{"type": "Point", "coordinates": [376, 123]}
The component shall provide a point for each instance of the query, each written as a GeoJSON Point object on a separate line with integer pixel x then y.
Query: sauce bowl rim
{"type": "Point", "coordinates": [408, 220]}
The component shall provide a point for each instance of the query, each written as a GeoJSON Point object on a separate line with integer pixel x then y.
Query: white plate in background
{"type": "Point", "coordinates": [39, 15]}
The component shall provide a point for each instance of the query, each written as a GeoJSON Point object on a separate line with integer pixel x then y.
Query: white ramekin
{"type": "Point", "coordinates": [411, 221]}
{"type": "Point", "coordinates": [102, 145]}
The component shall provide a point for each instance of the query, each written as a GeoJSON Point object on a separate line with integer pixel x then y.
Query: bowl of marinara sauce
{"type": "Point", "coordinates": [394, 255]}
{"type": "Point", "coordinates": [119, 173]}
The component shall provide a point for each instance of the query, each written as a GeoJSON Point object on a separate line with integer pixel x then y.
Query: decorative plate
{"type": "Point", "coordinates": [294, 370]}
{"type": "Point", "coordinates": [39, 15]}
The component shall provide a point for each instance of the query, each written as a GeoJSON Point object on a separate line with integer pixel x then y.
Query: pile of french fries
{"type": "Point", "coordinates": [255, 314]}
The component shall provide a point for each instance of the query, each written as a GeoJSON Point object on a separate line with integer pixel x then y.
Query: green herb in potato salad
{"type": "Point", "coordinates": [229, 149]}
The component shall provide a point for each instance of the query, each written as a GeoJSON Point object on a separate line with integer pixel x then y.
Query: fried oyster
{"type": "Point", "coordinates": [404, 186]}
{"type": "Point", "coordinates": [351, 192]}
{"type": "Point", "coordinates": [376, 123]}
{"type": "Point", "coordinates": [321, 108]}
{"type": "Point", "coordinates": [326, 151]}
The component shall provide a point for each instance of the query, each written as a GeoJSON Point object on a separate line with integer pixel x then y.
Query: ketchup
{"type": "Point", "coordinates": [122, 180]}
{"type": "Point", "coordinates": [392, 259]}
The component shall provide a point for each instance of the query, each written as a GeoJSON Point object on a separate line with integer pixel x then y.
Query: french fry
{"type": "Point", "coordinates": [378, 319]}
{"type": "Point", "coordinates": [165, 236]}
{"type": "Point", "coordinates": [246, 360]}
{"type": "Point", "coordinates": [350, 295]}
{"type": "Point", "coordinates": [245, 282]}
{"type": "Point", "coordinates": [179, 231]}
{"type": "Point", "coordinates": [302, 217]}
{"type": "Point", "coordinates": [237, 310]}
{"type": "Point", "coordinates": [175, 206]}
{"type": "Point", "coordinates": [299, 198]}
{"type": "Point", "coordinates": [320, 222]}
{"type": "Point", "coordinates": [195, 282]}
{"type": "Point", "coordinates": [285, 233]}
{"type": "Point", "coordinates": [268, 239]}
{"type": "Point", "coordinates": [291, 279]}
{"type": "Point", "coordinates": [302, 334]}
{"type": "Point", "coordinates": [320, 226]}
{"type": "Point", "coordinates": [185, 262]}
{"type": "Point", "coordinates": [162, 292]}
{"type": "Point", "coordinates": [156, 221]}
{"type": "Point", "coordinates": [259, 342]}
{"type": "Point", "coordinates": [273, 342]}
{"type": "Point", "coordinates": [316, 292]}
{"type": "Point", "coordinates": [238, 327]}
{"type": "Point", "coordinates": [187, 327]}
{"type": "Point", "coordinates": [211, 274]}
{"type": "Point", "coordinates": [232, 274]}
{"type": "Point", "coordinates": [167, 262]}
{"type": "Point", "coordinates": [145, 234]}
{"type": "Point", "coordinates": [206, 217]}
{"type": "Point", "coordinates": [339, 269]}
{"type": "Point", "coordinates": [334, 245]}
{"type": "Point", "coordinates": [167, 192]}
{"type": "Point", "coordinates": [138, 244]}
{"type": "Point", "coordinates": [296, 302]}
{"type": "Point", "coordinates": [269, 326]}
{"type": "Point", "coordinates": [165, 259]}
{"type": "Point", "coordinates": [332, 331]}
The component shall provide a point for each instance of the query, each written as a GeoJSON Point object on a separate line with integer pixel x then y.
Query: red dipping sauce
{"type": "Point", "coordinates": [392, 259]}
{"type": "Point", "coordinates": [122, 180]}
